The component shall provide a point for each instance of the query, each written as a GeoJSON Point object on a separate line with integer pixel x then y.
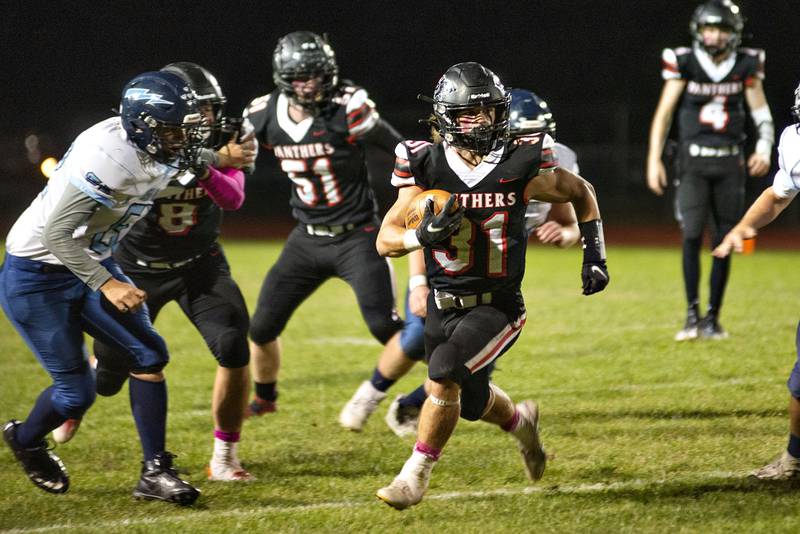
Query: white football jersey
{"type": "Point", "coordinates": [106, 166]}
{"type": "Point", "coordinates": [787, 180]}
{"type": "Point", "coordinates": [537, 211]}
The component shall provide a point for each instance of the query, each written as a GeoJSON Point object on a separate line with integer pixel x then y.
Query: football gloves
{"type": "Point", "coordinates": [436, 228]}
{"type": "Point", "coordinates": [594, 276]}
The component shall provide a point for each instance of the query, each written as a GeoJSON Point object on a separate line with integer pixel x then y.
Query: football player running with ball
{"type": "Point", "coordinates": [475, 260]}
{"type": "Point", "coordinates": [59, 279]}
{"type": "Point", "coordinates": [317, 127]}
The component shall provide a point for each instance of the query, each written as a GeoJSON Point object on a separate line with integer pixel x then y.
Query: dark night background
{"type": "Point", "coordinates": [597, 63]}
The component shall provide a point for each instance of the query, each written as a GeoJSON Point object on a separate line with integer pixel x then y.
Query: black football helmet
{"type": "Point", "coordinates": [468, 86]}
{"type": "Point", "coordinates": [529, 114]}
{"type": "Point", "coordinates": [304, 55]}
{"type": "Point", "coordinates": [160, 116]}
{"type": "Point", "coordinates": [722, 13]}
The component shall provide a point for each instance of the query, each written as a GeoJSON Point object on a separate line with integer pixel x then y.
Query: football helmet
{"type": "Point", "coordinates": [722, 13]}
{"type": "Point", "coordinates": [529, 114]}
{"type": "Point", "coordinates": [160, 115]}
{"type": "Point", "coordinates": [305, 56]}
{"type": "Point", "coordinates": [218, 131]}
{"type": "Point", "coordinates": [467, 86]}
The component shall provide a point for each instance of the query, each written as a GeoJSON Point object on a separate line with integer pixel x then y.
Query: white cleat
{"type": "Point", "coordinates": [402, 420]}
{"type": "Point", "coordinates": [355, 413]}
{"type": "Point", "coordinates": [410, 485]}
{"type": "Point", "coordinates": [530, 446]}
{"type": "Point", "coordinates": [687, 334]}
{"type": "Point", "coordinates": [66, 431]}
{"type": "Point", "coordinates": [228, 470]}
{"type": "Point", "coordinates": [786, 467]}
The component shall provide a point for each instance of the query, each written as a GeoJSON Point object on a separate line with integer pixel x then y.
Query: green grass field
{"type": "Point", "coordinates": [646, 435]}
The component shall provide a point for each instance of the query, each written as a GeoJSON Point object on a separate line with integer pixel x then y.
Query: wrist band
{"type": "Point", "coordinates": [594, 245]}
{"type": "Point", "coordinates": [416, 281]}
{"type": "Point", "coordinates": [411, 241]}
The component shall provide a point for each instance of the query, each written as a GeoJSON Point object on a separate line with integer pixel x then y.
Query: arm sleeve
{"type": "Point", "coordinates": [225, 187]}
{"type": "Point", "coordinates": [73, 210]}
{"type": "Point", "coordinates": [383, 136]}
{"type": "Point", "coordinates": [549, 159]}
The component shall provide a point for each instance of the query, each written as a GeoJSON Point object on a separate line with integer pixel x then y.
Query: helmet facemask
{"type": "Point", "coordinates": [723, 15]}
{"type": "Point", "coordinates": [305, 70]}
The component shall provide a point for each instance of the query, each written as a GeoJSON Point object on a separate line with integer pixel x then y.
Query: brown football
{"type": "Point", "coordinates": [416, 209]}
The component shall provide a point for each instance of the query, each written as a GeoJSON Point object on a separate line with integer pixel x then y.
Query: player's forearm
{"type": "Point", "coordinates": [72, 211]}
{"type": "Point", "coordinates": [658, 135]}
{"type": "Point", "coordinates": [393, 241]}
{"type": "Point", "coordinates": [225, 187]}
{"type": "Point", "coordinates": [764, 210]}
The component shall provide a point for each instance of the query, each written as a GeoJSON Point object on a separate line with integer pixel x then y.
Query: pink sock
{"type": "Point", "coordinates": [230, 437]}
{"type": "Point", "coordinates": [512, 424]}
{"type": "Point", "coordinates": [431, 452]}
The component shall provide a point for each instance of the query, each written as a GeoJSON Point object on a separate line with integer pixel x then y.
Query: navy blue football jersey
{"type": "Point", "coordinates": [488, 251]}
{"type": "Point", "coordinates": [712, 109]}
{"type": "Point", "coordinates": [183, 223]}
{"type": "Point", "coordinates": [321, 155]}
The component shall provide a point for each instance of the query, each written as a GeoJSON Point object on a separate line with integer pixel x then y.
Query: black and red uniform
{"type": "Point", "coordinates": [476, 310]}
{"type": "Point", "coordinates": [333, 203]}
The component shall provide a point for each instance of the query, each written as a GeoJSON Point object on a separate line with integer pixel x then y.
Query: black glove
{"type": "Point", "coordinates": [436, 228]}
{"type": "Point", "coordinates": [203, 158]}
{"type": "Point", "coordinates": [595, 277]}
{"type": "Point", "coordinates": [594, 273]}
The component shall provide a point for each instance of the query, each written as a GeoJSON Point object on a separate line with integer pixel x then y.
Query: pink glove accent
{"type": "Point", "coordinates": [225, 187]}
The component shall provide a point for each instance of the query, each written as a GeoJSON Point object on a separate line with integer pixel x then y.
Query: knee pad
{"type": "Point", "coordinates": [384, 328]}
{"type": "Point", "coordinates": [230, 348]}
{"type": "Point", "coordinates": [110, 381]}
{"type": "Point", "coordinates": [412, 339]}
{"type": "Point", "coordinates": [444, 363]}
{"type": "Point", "coordinates": [74, 392]}
{"type": "Point", "coordinates": [263, 330]}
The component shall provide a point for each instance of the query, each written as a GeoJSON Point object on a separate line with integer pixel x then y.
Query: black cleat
{"type": "Point", "coordinates": [160, 481]}
{"type": "Point", "coordinates": [690, 327]}
{"type": "Point", "coordinates": [709, 328]}
{"type": "Point", "coordinates": [44, 468]}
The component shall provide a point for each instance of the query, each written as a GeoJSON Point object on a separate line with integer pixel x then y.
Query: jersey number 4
{"type": "Point", "coordinates": [715, 113]}
{"type": "Point", "coordinates": [309, 179]}
{"type": "Point", "coordinates": [494, 228]}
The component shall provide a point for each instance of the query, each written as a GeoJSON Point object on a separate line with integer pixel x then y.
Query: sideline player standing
{"type": "Point", "coordinates": [711, 81]}
{"type": "Point", "coordinates": [764, 210]}
{"type": "Point", "coordinates": [173, 255]}
{"type": "Point", "coordinates": [475, 260]}
{"type": "Point", "coordinates": [59, 279]}
{"type": "Point", "coordinates": [316, 127]}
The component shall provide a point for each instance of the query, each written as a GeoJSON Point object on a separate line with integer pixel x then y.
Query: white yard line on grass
{"type": "Point", "coordinates": [207, 515]}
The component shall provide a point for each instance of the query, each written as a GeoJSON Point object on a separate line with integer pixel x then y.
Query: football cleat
{"type": "Point", "coordinates": [160, 481]}
{"type": "Point", "coordinates": [355, 413]}
{"type": "Point", "coordinates": [410, 485]}
{"type": "Point", "coordinates": [403, 420]}
{"type": "Point", "coordinates": [709, 328]}
{"type": "Point", "coordinates": [225, 465]}
{"type": "Point", "coordinates": [45, 469]}
{"type": "Point", "coordinates": [786, 467]}
{"type": "Point", "coordinates": [259, 406]}
{"type": "Point", "coordinates": [66, 431]}
{"type": "Point", "coordinates": [689, 330]}
{"type": "Point", "coordinates": [530, 446]}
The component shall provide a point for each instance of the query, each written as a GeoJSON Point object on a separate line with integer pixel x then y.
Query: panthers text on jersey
{"type": "Point", "coordinates": [321, 155]}
{"type": "Point", "coordinates": [106, 166]}
{"type": "Point", "coordinates": [712, 108]}
{"type": "Point", "coordinates": [488, 251]}
{"type": "Point", "coordinates": [787, 180]}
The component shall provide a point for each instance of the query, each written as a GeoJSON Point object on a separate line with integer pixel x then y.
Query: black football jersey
{"type": "Point", "coordinates": [183, 223]}
{"type": "Point", "coordinates": [712, 109]}
{"type": "Point", "coordinates": [321, 155]}
{"type": "Point", "coordinates": [488, 252]}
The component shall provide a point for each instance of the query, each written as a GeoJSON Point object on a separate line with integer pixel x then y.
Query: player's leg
{"type": "Point", "coordinates": [787, 465]}
{"type": "Point", "coordinates": [402, 416]}
{"type": "Point", "coordinates": [215, 305]}
{"type": "Point", "coordinates": [727, 207]}
{"type": "Point", "coordinates": [299, 271]}
{"type": "Point", "coordinates": [42, 307]}
{"type": "Point", "coordinates": [371, 278]}
{"type": "Point", "coordinates": [133, 332]}
{"type": "Point", "coordinates": [691, 210]}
